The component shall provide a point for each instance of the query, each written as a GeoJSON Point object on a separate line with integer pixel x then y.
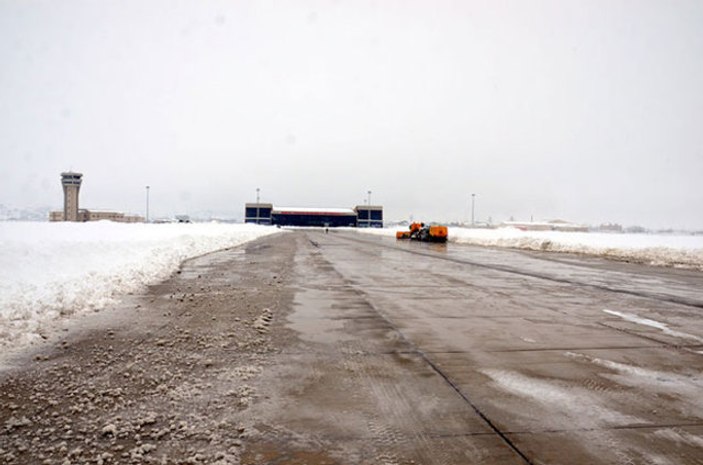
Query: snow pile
{"type": "Point", "coordinates": [654, 249]}
{"type": "Point", "coordinates": [52, 270]}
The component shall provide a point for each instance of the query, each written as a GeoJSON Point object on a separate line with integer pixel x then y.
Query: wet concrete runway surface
{"type": "Point", "coordinates": [445, 354]}
{"type": "Point", "coordinates": [346, 348]}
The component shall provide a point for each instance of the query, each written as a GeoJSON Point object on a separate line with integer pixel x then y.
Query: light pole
{"type": "Point", "coordinates": [369, 192]}
{"type": "Point", "coordinates": [147, 204]}
{"type": "Point", "coordinates": [473, 201]}
{"type": "Point", "coordinates": [257, 194]}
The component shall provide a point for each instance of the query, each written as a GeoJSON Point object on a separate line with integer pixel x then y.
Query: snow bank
{"type": "Point", "coordinates": [654, 249]}
{"type": "Point", "coordinates": [53, 270]}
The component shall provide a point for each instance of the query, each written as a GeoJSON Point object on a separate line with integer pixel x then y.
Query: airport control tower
{"type": "Point", "coordinates": [71, 185]}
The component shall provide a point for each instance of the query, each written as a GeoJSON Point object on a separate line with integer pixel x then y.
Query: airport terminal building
{"type": "Point", "coordinates": [361, 216]}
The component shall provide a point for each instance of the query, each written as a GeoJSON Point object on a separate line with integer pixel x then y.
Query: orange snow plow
{"type": "Point", "coordinates": [425, 233]}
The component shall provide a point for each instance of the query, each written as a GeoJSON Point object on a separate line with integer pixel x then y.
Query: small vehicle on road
{"type": "Point", "coordinates": [425, 233]}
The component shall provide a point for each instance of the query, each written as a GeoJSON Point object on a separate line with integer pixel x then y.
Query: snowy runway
{"type": "Point", "coordinates": [343, 348]}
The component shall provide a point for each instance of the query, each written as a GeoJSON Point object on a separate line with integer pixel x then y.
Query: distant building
{"type": "Point", "coordinates": [361, 216]}
{"type": "Point", "coordinates": [610, 227]}
{"type": "Point", "coordinates": [259, 213]}
{"type": "Point", "coordinates": [635, 229]}
{"type": "Point", "coordinates": [93, 215]}
{"type": "Point", "coordinates": [321, 217]}
{"type": "Point", "coordinates": [369, 216]}
{"type": "Point", "coordinates": [56, 216]}
{"type": "Point", "coordinates": [71, 183]}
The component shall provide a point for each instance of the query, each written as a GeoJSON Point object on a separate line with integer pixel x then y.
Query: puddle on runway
{"type": "Point", "coordinates": [316, 318]}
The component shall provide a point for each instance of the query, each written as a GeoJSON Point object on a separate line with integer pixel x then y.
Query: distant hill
{"type": "Point", "coordinates": [9, 213]}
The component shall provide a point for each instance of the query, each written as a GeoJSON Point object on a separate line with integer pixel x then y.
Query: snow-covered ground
{"type": "Point", "coordinates": [654, 249]}
{"type": "Point", "coordinates": [55, 270]}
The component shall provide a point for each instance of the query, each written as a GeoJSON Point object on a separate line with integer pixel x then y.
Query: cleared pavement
{"type": "Point", "coordinates": [452, 354]}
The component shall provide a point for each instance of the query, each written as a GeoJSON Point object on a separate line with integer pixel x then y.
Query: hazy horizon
{"type": "Point", "coordinates": [584, 111]}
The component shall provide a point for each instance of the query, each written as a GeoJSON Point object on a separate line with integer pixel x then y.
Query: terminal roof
{"type": "Point", "coordinates": [313, 211]}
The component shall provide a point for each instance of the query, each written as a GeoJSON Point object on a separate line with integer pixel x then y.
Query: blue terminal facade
{"type": "Point", "coordinates": [259, 213]}
{"type": "Point", "coordinates": [321, 217]}
{"type": "Point", "coordinates": [369, 216]}
{"type": "Point", "coordinates": [362, 216]}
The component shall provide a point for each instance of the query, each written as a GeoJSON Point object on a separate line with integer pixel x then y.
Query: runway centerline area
{"type": "Point", "coordinates": [566, 361]}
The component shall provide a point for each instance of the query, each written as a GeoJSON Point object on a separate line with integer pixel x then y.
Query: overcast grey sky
{"type": "Point", "coordinates": [590, 111]}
